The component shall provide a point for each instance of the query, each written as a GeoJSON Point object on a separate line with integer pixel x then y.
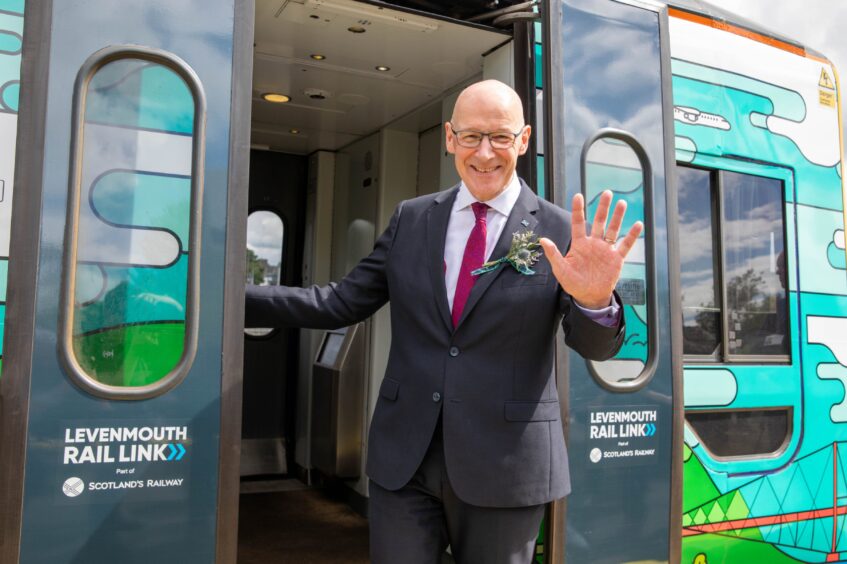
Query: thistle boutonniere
{"type": "Point", "coordinates": [523, 253]}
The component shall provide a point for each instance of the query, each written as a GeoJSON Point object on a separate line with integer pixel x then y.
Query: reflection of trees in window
{"type": "Point", "coordinates": [698, 226]}
{"type": "Point", "coordinates": [741, 242]}
{"type": "Point", "coordinates": [703, 336]}
{"type": "Point", "coordinates": [752, 314]}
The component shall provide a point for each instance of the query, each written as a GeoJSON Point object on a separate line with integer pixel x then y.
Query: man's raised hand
{"type": "Point", "coordinates": [594, 261]}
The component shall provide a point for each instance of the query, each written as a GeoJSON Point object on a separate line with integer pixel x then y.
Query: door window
{"type": "Point", "coordinates": [133, 208]}
{"type": "Point", "coordinates": [265, 231]}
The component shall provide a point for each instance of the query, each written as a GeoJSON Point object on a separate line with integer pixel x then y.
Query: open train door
{"type": "Point", "coordinates": [120, 411]}
{"type": "Point", "coordinates": [608, 126]}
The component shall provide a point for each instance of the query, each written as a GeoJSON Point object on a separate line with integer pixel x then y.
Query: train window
{"type": "Point", "coordinates": [754, 254]}
{"type": "Point", "coordinates": [733, 266]}
{"type": "Point", "coordinates": [265, 232]}
{"type": "Point", "coordinates": [614, 160]}
{"type": "Point", "coordinates": [742, 432]}
{"type": "Point", "coordinates": [130, 321]}
{"type": "Point", "coordinates": [701, 319]}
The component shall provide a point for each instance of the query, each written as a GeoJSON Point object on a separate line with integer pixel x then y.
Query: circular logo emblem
{"type": "Point", "coordinates": [595, 455]}
{"type": "Point", "coordinates": [73, 487]}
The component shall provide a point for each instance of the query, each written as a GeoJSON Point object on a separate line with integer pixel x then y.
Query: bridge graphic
{"type": "Point", "coordinates": [800, 510]}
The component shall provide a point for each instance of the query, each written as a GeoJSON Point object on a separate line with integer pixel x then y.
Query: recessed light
{"type": "Point", "coordinates": [382, 68]}
{"type": "Point", "coordinates": [276, 98]}
{"type": "Point", "coordinates": [356, 29]}
{"type": "Point", "coordinates": [318, 56]}
{"type": "Point", "coordinates": [294, 131]}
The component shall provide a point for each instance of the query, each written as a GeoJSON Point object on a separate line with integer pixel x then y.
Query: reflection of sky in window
{"type": "Point", "coordinates": [264, 236]}
{"type": "Point", "coordinates": [753, 228]}
{"type": "Point", "coordinates": [696, 239]}
{"type": "Point", "coordinates": [610, 79]}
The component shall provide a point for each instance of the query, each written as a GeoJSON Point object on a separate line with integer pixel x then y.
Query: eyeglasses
{"type": "Point", "coordinates": [472, 139]}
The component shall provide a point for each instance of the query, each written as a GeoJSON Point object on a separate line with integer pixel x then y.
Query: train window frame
{"type": "Point", "coordinates": [180, 370]}
{"type": "Point", "coordinates": [722, 356]}
{"type": "Point", "coordinates": [269, 332]}
{"type": "Point", "coordinates": [759, 455]}
{"type": "Point", "coordinates": [651, 361]}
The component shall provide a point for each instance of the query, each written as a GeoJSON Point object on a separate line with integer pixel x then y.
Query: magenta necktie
{"type": "Point", "coordinates": [472, 259]}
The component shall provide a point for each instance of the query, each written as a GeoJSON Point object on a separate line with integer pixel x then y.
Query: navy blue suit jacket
{"type": "Point", "coordinates": [491, 378]}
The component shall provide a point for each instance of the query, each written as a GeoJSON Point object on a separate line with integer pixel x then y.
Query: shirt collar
{"type": "Point", "coordinates": [502, 204]}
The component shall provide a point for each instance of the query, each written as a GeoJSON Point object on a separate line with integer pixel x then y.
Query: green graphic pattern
{"type": "Point", "coordinates": [129, 314]}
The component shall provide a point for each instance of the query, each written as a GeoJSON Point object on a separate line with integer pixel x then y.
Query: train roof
{"type": "Point", "coordinates": [719, 14]}
{"type": "Point", "coordinates": [474, 8]}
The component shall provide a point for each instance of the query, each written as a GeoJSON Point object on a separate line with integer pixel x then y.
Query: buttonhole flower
{"type": "Point", "coordinates": [523, 253]}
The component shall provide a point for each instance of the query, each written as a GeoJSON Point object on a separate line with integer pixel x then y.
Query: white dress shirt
{"type": "Point", "coordinates": [461, 224]}
{"type": "Point", "coordinates": [459, 228]}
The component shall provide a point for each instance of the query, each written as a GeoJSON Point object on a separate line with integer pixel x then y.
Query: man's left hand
{"type": "Point", "coordinates": [594, 261]}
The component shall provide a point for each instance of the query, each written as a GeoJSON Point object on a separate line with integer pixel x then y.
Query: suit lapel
{"type": "Point", "coordinates": [436, 235]}
{"type": "Point", "coordinates": [522, 218]}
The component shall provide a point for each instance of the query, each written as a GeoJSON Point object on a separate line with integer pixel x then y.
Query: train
{"type": "Point", "coordinates": [151, 146]}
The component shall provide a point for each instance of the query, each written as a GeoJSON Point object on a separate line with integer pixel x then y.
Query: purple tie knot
{"type": "Point", "coordinates": [479, 211]}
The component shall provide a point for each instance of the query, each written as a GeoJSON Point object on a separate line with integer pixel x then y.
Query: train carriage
{"type": "Point", "coordinates": [154, 143]}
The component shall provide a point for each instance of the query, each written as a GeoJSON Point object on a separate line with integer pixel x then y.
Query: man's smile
{"type": "Point", "coordinates": [483, 170]}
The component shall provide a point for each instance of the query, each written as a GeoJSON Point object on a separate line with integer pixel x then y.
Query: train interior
{"type": "Point", "coordinates": [349, 101]}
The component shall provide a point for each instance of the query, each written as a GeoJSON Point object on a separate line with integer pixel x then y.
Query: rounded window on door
{"type": "Point", "coordinates": [265, 231]}
{"type": "Point", "coordinates": [614, 161]}
{"type": "Point", "coordinates": [129, 327]}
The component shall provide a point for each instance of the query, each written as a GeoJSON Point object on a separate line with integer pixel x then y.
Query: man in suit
{"type": "Point", "coordinates": [466, 445]}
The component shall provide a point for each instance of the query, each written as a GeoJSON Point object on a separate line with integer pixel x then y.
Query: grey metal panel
{"type": "Point", "coordinates": [554, 153]}
{"type": "Point", "coordinates": [675, 300]}
{"type": "Point", "coordinates": [226, 538]}
{"type": "Point", "coordinates": [524, 61]}
{"type": "Point", "coordinates": [23, 251]}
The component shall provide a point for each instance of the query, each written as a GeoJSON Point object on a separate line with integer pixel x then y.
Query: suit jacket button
{"type": "Point", "coordinates": [454, 351]}
{"type": "Point", "coordinates": [436, 397]}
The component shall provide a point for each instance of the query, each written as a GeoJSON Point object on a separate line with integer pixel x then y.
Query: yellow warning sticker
{"type": "Point", "coordinates": [825, 81]}
{"type": "Point", "coordinates": [826, 98]}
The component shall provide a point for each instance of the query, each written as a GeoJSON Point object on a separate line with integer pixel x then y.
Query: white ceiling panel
{"type": "Point", "coordinates": [425, 56]}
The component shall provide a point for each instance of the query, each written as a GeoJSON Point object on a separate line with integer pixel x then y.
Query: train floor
{"type": "Point", "coordinates": [287, 522]}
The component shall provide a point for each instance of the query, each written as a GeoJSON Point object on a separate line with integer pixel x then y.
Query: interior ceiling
{"type": "Point", "coordinates": [425, 56]}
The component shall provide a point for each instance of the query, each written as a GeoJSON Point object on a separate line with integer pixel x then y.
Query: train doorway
{"type": "Point", "coordinates": [347, 111]}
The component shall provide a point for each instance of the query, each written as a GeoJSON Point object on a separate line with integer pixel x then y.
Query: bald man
{"type": "Point", "coordinates": [466, 445]}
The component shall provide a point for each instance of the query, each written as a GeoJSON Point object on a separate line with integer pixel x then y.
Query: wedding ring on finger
{"type": "Point", "coordinates": [610, 240]}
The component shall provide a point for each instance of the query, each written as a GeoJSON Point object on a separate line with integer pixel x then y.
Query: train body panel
{"type": "Point", "coordinates": [120, 422]}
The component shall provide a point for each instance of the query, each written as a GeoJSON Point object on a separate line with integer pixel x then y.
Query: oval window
{"type": "Point", "coordinates": [264, 254]}
{"type": "Point", "coordinates": [131, 255]}
{"type": "Point", "coordinates": [611, 162]}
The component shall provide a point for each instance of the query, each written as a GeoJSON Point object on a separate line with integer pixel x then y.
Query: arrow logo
{"type": "Point", "coordinates": [177, 452]}
{"type": "Point", "coordinates": [650, 429]}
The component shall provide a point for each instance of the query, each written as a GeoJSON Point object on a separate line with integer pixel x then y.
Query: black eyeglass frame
{"type": "Point", "coordinates": [456, 134]}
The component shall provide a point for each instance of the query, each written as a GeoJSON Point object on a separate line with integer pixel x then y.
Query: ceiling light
{"type": "Point", "coordinates": [318, 56]}
{"type": "Point", "coordinates": [379, 15]}
{"type": "Point", "coordinates": [382, 68]}
{"type": "Point", "coordinates": [294, 131]}
{"type": "Point", "coordinates": [356, 29]}
{"type": "Point", "coordinates": [276, 98]}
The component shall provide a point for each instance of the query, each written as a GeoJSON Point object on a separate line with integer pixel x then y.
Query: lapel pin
{"type": "Point", "coordinates": [525, 223]}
